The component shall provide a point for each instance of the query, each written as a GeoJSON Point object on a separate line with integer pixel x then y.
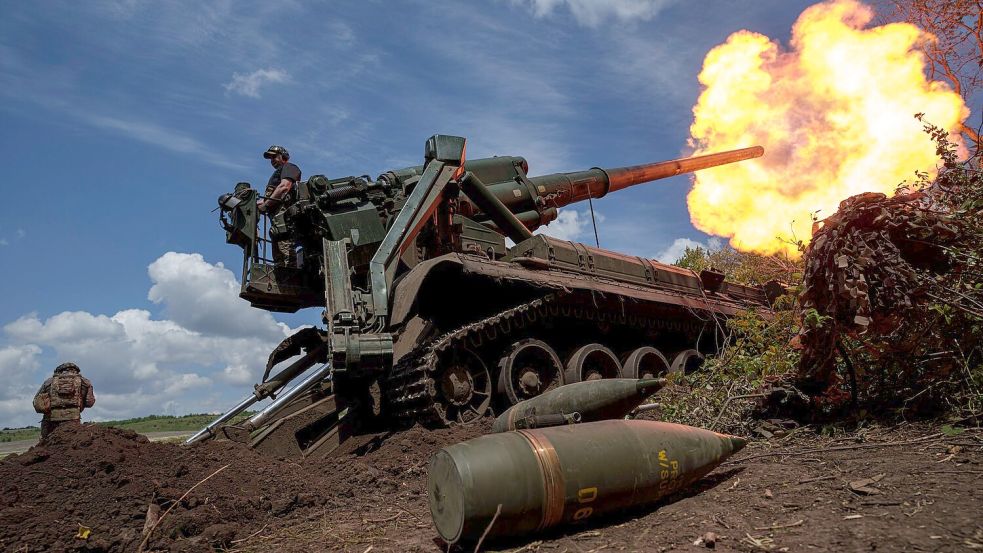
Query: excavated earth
{"type": "Point", "coordinates": [910, 488]}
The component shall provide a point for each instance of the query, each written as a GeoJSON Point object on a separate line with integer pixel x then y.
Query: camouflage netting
{"type": "Point", "coordinates": [891, 292]}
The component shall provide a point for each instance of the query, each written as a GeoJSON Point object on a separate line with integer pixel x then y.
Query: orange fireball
{"type": "Point", "coordinates": [835, 115]}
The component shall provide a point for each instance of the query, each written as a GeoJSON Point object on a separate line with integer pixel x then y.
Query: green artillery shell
{"type": "Point", "coordinates": [609, 398]}
{"type": "Point", "coordinates": [535, 479]}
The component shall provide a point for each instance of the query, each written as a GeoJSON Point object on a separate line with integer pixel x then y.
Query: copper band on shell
{"type": "Point", "coordinates": [553, 487]}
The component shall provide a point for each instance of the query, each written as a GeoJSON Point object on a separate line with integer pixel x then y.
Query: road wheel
{"type": "Point", "coordinates": [592, 362]}
{"type": "Point", "coordinates": [463, 386]}
{"type": "Point", "coordinates": [645, 362]}
{"type": "Point", "coordinates": [529, 368]}
{"type": "Point", "coordinates": [687, 361]}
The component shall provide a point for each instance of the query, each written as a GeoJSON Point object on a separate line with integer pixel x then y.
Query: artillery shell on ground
{"type": "Point", "coordinates": [530, 480]}
{"type": "Point", "coordinates": [609, 398]}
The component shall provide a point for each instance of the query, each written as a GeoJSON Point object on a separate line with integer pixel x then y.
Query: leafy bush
{"type": "Point", "coordinates": [725, 392]}
{"type": "Point", "coordinates": [887, 320]}
{"type": "Point", "coordinates": [893, 297]}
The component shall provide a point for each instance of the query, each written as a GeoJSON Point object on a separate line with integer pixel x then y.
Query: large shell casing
{"type": "Point", "coordinates": [609, 398]}
{"type": "Point", "coordinates": [546, 477]}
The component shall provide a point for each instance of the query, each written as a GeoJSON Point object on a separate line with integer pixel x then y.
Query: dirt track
{"type": "Point", "coordinates": [929, 498]}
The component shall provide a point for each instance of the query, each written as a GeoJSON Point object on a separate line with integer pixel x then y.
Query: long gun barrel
{"type": "Point", "coordinates": [569, 188]}
{"type": "Point", "coordinates": [533, 202]}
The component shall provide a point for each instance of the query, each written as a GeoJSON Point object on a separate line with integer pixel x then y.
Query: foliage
{"type": "Point", "coordinates": [744, 268]}
{"type": "Point", "coordinates": [725, 393]}
{"type": "Point", "coordinates": [759, 352]}
{"type": "Point", "coordinates": [896, 287]}
{"type": "Point", "coordinates": [152, 423]}
{"type": "Point", "coordinates": [17, 434]}
{"type": "Point", "coordinates": [890, 314]}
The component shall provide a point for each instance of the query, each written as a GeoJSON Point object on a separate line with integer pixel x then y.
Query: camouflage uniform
{"type": "Point", "coordinates": [284, 250]}
{"type": "Point", "coordinates": [63, 397]}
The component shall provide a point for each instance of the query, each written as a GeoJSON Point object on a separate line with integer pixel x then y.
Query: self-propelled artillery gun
{"type": "Point", "coordinates": [432, 316]}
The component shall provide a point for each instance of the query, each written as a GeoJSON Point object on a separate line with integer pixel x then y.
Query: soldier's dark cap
{"type": "Point", "coordinates": [274, 151]}
{"type": "Point", "coordinates": [67, 367]}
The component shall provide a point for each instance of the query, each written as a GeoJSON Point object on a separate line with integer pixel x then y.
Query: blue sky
{"type": "Point", "coordinates": [125, 120]}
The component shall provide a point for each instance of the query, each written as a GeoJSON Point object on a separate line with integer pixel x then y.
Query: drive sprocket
{"type": "Point", "coordinates": [416, 389]}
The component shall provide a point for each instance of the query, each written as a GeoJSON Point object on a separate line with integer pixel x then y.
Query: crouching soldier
{"type": "Point", "coordinates": [63, 397]}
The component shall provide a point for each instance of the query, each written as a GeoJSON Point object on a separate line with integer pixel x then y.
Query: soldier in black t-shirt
{"type": "Point", "coordinates": [279, 195]}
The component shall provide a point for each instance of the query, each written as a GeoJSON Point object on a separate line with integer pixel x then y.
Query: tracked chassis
{"type": "Point", "coordinates": [430, 316]}
{"type": "Point", "coordinates": [560, 307]}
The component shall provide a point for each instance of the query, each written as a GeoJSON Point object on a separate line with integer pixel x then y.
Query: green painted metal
{"type": "Point", "coordinates": [610, 398]}
{"type": "Point", "coordinates": [478, 238]}
{"type": "Point", "coordinates": [518, 483]}
{"type": "Point", "coordinates": [504, 219]}
{"type": "Point", "coordinates": [238, 216]}
{"type": "Point", "coordinates": [545, 421]}
{"type": "Point", "coordinates": [361, 226]}
{"type": "Point", "coordinates": [365, 211]}
{"type": "Point", "coordinates": [402, 260]}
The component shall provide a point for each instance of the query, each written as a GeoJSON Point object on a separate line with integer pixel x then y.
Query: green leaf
{"type": "Point", "coordinates": [950, 431]}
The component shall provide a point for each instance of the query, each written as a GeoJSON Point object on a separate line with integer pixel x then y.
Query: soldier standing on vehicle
{"type": "Point", "coordinates": [280, 194]}
{"type": "Point", "coordinates": [63, 397]}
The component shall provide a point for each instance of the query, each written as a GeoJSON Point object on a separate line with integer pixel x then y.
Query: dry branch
{"type": "Point", "coordinates": [146, 538]}
{"type": "Point", "coordinates": [838, 448]}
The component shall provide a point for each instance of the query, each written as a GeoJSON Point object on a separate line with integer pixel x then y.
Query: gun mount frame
{"type": "Point", "coordinates": [424, 301]}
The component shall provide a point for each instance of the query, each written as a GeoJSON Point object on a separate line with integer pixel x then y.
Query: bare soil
{"type": "Point", "coordinates": [909, 488]}
{"type": "Point", "coordinates": [20, 446]}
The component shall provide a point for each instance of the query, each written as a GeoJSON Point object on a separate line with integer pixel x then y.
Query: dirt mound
{"type": "Point", "coordinates": [800, 492]}
{"type": "Point", "coordinates": [108, 479]}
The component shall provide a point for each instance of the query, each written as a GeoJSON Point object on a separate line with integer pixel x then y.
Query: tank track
{"type": "Point", "coordinates": [410, 388]}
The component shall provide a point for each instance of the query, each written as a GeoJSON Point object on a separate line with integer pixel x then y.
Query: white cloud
{"type": "Point", "coordinates": [569, 225]}
{"type": "Point", "coordinates": [114, 406]}
{"type": "Point", "coordinates": [572, 225]}
{"type": "Point", "coordinates": [139, 363]}
{"type": "Point", "coordinates": [184, 382]}
{"type": "Point", "coordinates": [20, 374]}
{"type": "Point", "coordinates": [68, 326]}
{"type": "Point", "coordinates": [204, 298]}
{"type": "Point", "coordinates": [156, 135]}
{"type": "Point", "coordinates": [674, 251]}
{"type": "Point", "coordinates": [249, 85]}
{"type": "Point", "coordinates": [592, 13]}
{"type": "Point", "coordinates": [16, 361]}
{"type": "Point", "coordinates": [237, 374]}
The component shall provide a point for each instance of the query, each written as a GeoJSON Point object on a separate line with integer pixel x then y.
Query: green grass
{"type": "Point", "coordinates": [153, 423]}
{"type": "Point", "coordinates": [17, 434]}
